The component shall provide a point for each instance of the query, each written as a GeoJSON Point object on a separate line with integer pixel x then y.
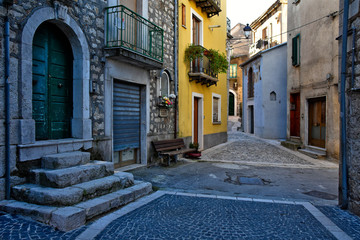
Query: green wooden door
{"type": "Point", "coordinates": [231, 104]}
{"type": "Point", "coordinates": [52, 83]}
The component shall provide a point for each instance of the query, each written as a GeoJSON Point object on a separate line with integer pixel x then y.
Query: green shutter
{"type": "Point", "coordinates": [296, 50]}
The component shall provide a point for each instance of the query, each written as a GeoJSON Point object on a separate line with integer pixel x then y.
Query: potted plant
{"type": "Point", "coordinates": [165, 102]}
{"type": "Point", "coordinates": [218, 61]}
{"type": "Point", "coordinates": [196, 153]}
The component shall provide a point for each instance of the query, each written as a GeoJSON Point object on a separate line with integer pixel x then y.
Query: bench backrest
{"type": "Point", "coordinates": [166, 145]}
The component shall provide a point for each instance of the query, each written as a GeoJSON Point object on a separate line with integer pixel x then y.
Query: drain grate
{"type": "Point", "coordinates": [323, 195]}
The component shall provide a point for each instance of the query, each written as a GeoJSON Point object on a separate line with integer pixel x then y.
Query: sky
{"type": "Point", "coordinates": [246, 11]}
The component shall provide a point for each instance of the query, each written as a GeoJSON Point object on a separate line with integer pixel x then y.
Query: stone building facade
{"type": "Point", "coordinates": [94, 69]}
{"type": "Point", "coordinates": [352, 109]}
{"type": "Point", "coordinates": [239, 54]}
{"type": "Point", "coordinates": [313, 104]}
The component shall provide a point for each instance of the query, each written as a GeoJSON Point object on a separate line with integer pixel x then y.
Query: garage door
{"type": "Point", "coordinates": [126, 116]}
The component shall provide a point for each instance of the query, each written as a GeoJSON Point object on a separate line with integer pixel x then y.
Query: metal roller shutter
{"type": "Point", "coordinates": [126, 116]}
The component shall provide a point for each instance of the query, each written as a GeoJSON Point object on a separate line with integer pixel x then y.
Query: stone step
{"type": "Point", "coordinates": [61, 178]}
{"type": "Point", "coordinates": [291, 145]}
{"type": "Point", "coordinates": [33, 193]}
{"type": "Point", "coordinates": [65, 160]}
{"type": "Point", "coordinates": [68, 218]}
{"type": "Point", "coordinates": [313, 153]}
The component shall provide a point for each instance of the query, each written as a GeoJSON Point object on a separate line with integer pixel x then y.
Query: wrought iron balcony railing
{"type": "Point", "coordinates": [200, 71]}
{"type": "Point", "coordinates": [211, 7]}
{"type": "Point", "coordinates": [128, 30]}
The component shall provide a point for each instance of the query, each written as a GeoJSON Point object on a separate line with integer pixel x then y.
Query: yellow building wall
{"type": "Point", "coordinates": [215, 39]}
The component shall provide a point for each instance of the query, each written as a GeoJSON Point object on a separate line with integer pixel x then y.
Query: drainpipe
{"type": "Point", "coordinates": [344, 177]}
{"type": "Point", "coordinates": [7, 109]}
{"type": "Point", "coordinates": [175, 66]}
{"type": "Point", "coordinates": [353, 59]}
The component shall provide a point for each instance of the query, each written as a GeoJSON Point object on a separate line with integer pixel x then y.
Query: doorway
{"type": "Point", "coordinates": [317, 122]}
{"type": "Point", "coordinates": [295, 114]}
{"type": "Point", "coordinates": [126, 122]}
{"type": "Point", "coordinates": [197, 118]}
{"type": "Point", "coordinates": [251, 116]}
{"type": "Point", "coordinates": [52, 71]}
{"type": "Point", "coordinates": [231, 104]}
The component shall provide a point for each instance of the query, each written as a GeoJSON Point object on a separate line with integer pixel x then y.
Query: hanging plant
{"type": "Point", "coordinates": [218, 61]}
{"type": "Point", "coordinates": [193, 52]}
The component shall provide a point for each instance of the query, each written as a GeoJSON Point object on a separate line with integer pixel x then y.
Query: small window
{"type": "Point", "coordinates": [183, 8]}
{"type": "Point", "coordinates": [233, 70]}
{"type": "Point", "coordinates": [273, 96]}
{"type": "Point", "coordinates": [296, 51]}
{"type": "Point", "coordinates": [164, 85]}
{"type": "Point", "coordinates": [216, 113]}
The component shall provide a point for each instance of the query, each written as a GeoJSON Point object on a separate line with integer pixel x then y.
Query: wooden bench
{"type": "Point", "coordinates": [169, 148]}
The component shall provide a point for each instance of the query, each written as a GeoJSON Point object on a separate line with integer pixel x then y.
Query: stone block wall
{"type": "Point", "coordinates": [352, 109]}
{"type": "Point", "coordinates": [89, 16]}
{"type": "Point", "coordinates": [161, 13]}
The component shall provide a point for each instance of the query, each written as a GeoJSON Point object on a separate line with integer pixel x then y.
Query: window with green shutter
{"type": "Point", "coordinates": [233, 70]}
{"type": "Point", "coordinates": [296, 51]}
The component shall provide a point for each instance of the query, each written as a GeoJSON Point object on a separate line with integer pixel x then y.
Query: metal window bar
{"type": "Point", "coordinates": [127, 29]}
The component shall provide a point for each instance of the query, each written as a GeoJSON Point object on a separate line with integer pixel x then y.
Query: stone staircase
{"type": "Point", "coordinates": [314, 152]}
{"type": "Point", "coordinates": [294, 143]}
{"type": "Point", "coordinates": [69, 190]}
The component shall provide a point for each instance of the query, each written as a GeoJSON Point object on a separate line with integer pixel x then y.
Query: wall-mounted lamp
{"type": "Point", "coordinates": [247, 31]}
{"type": "Point", "coordinates": [211, 27]}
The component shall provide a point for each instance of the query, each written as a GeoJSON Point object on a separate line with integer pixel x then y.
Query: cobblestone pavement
{"type": "Point", "coordinates": [168, 215]}
{"type": "Point", "coordinates": [247, 149]}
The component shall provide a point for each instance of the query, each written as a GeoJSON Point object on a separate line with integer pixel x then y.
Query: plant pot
{"type": "Point", "coordinates": [193, 155]}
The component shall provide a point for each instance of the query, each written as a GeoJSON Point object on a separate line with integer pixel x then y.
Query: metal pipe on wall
{"type": "Point", "coordinates": [343, 145]}
{"type": "Point", "coordinates": [7, 107]}
{"type": "Point", "coordinates": [175, 66]}
{"type": "Point", "coordinates": [353, 58]}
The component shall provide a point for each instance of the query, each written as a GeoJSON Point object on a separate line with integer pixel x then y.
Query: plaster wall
{"type": "Point", "coordinates": [215, 39]}
{"type": "Point", "coordinates": [317, 75]}
{"type": "Point", "coordinates": [274, 80]}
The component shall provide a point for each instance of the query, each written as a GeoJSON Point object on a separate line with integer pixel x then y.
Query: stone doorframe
{"type": "Point", "coordinates": [81, 123]}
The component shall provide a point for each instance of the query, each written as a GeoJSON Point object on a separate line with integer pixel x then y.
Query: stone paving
{"type": "Point", "coordinates": [165, 215]}
{"type": "Point", "coordinates": [184, 217]}
{"type": "Point", "coordinates": [248, 149]}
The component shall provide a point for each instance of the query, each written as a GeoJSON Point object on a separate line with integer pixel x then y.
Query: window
{"type": "Point", "coordinates": [273, 96]}
{"type": "Point", "coordinates": [164, 85]}
{"type": "Point", "coordinates": [250, 84]}
{"type": "Point", "coordinates": [264, 34]}
{"type": "Point", "coordinates": [183, 7]}
{"type": "Point", "coordinates": [216, 111]}
{"type": "Point", "coordinates": [196, 31]}
{"type": "Point", "coordinates": [196, 26]}
{"type": "Point", "coordinates": [233, 70]}
{"type": "Point", "coordinates": [296, 51]}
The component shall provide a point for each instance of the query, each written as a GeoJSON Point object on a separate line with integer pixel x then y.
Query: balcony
{"type": "Point", "coordinates": [132, 38]}
{"type": "Point", "coordinates": [211, 7]}
{"type": "Point", "coordinates": [201, 72]}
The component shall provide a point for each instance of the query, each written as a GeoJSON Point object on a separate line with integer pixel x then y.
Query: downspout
{"type": "Point", "coordinates": [7, 108]}
{"type": "Point", "coordinates": [353, 60]}
{"type": "Point", "coordinates": [175, 67]}
{"type": "Point", "coordinates": [344, 177]}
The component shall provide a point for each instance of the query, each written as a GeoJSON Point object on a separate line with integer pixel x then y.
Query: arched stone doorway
{"type": "Point", "coordinates": [52, 82]}
{"type": "Point", "coordinates": [232, 103]}
{"type": "Point", "coordinates": [80, 122]}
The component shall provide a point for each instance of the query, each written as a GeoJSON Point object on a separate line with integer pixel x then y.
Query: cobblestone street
{"type": "Point", "coordinates": [247, 188]}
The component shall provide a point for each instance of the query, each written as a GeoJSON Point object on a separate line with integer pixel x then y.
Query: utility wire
{"type": "Point", "coordinates": [306, 24]}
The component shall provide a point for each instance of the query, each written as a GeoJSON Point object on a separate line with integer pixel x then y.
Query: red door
{"type": "Point", "coordinates": [196, 120]}
{"type": "Point", "coordinates": [295, 114]}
